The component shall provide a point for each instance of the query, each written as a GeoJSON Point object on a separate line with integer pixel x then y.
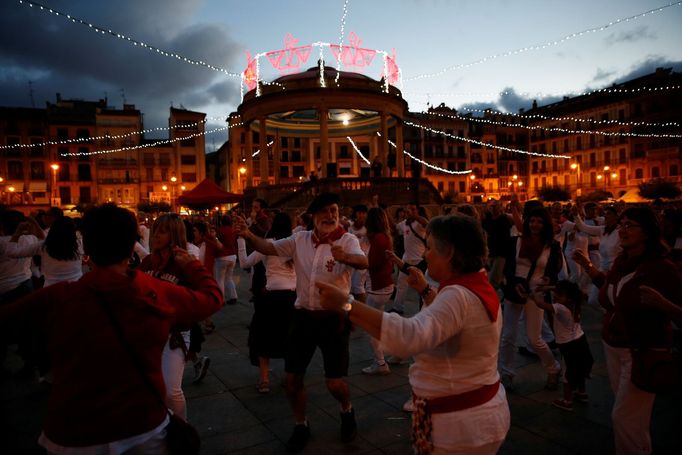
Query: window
{"type": "Point", "coordinates": [543, 166]}
{"type": "Point", "coordinates": [593, 178]}
{"type": "Point", "coordinates": [555, 180]}
{"type": "Point", "coordinates": [84, 173]}
{"type": "Point", "coordinates": [535, 167]}
{"type": "Point", "coordinates": [62, 134]}
{"type": "Point", "coordinates": [296, 155]}
{"type": "Point", "coordinates": [554, 164]}
{"type": "Point", "coordinates": [451, 187]}
{"type": "Point", "coordinates": [622, 158]}
{"type": "Point", "coordinates": [579, 143]}
{"type": "Point", "coordinates": [440, 186]}
{"type": "Point", "coordinates": [285, 156]}
{"type": "Point", "coordinates": [65, 194]}
{"type": "Point", "coordinates": [655, 172]}
{"type": "Point", "coordinates": [461, 187]}
{"type": "Point", "coordinates": [299, 171]}
{"type": "Point", "coordinates": [535, 182]}
{"type": "Point", "coordinates": [37, 150]}
{"type": "Point", "coordinates": [188, 142]}
{"type": "Point", "coordinates": [82, 133]}
{"type": "Point", "coordinates": [149, 174]}
{"type": "Point", "coordinates": [188, 159]}
{"type": "Point", "coordinates": [284, 171]}
{"type": "Point", "coordinates": [63, 173]}
{"type": "Point", "coordinates": [164, 159]}
{"type": "Point", "coordinates": [623, 179]}
{"type": "Point", "coordinates": [188, 176]}
{"type": "Point", "coordinates": [37, 170]}
{"type": "Point", "coordinates": [84, 195]}
{"type": "Point", "coordinates": [674, 171]}
{"type": "Point", "coordinates": [164, 174]}
{"type": "Point", "coordinates": [284, 141]}
{"type": "Point", "coordinates": [639, 173]}
{"type": "Point", "coordinates": [297, 142]}
{"type": "Point", "coordinates": [148, 159]}
{"type": "Point", "coordinates": [607, 157]}
{"type": "Point", "coordinates": [343, 152]}
{"type": "Point", "coordinates": [15, 170]}
{"type": "Point", "coordinates": [593, 159]}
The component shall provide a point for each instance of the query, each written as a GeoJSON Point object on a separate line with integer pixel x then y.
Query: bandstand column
{"type": "Point", "coordinates": [383, 144]}
{"type": "Point", "coordinates": [248, 154]}
{"type": "Point", "coordinates": [263, 155]}
{"type": "Point", "coordinates": [400, 146]}
{"type": "Point", "coordinates": [324, 141]}
{"type": "Point", "coordinates": [276, 153]}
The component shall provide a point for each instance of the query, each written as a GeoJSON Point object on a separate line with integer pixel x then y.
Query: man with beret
{"type": "Point", "coordinates": [329, 254]}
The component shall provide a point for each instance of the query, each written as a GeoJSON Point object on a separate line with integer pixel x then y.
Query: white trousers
{"type": "Point", "coordinates": [534, 317]}
{"type": "Point", "coordinates": [173, 367]}
{"type": "Point", "coordinates": [223, 269]}
{"type": "Point", "coordinates": [378, 299]}
{"type": "Point", "coordinates": [632, 408]}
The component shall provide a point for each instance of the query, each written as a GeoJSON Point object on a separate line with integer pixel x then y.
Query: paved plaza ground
{"type": "Point", "coordinates": [232, 417]}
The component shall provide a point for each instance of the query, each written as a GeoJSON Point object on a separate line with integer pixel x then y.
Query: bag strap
{"type": "Point", "coordinates": [417, 235]}
{"type": "Point", "coordinates": [131, 353]}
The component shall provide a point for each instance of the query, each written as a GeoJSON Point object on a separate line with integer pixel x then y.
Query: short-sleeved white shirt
{"type": "Point", "coordinates": [313, 264]}
{"type": "Point", "coordinates": [565, 328]}
{"type": "Point", "coordinates": [414, 248]}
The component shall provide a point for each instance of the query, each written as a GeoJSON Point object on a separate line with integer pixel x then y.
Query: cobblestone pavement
{"type": "Point", "coordinates": [232, 417]}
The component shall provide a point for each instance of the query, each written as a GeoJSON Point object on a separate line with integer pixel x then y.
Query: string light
{"type": "Point", "coordinates": [108, 136]}
{"type": "Point", "coordinates": [546, 44]}
{"type": "Point", "coordinates": [432, 166]}
{"type": "Point", "coordinates": [485, 144]}
{"type": "Point", "coordinates": [357, 150]}
{"type": "Point", "coordinates": [343, 25]}
{"type": "Point", "coordinates": [151, 144]}
{"type": "Point", "coordinates": [545, 95]}
{"type": "Point", "coordinates": [258, 151]}
{"type": "Point", "coordinates": [554, 129]}
{"type": "Point", "coordinates": [573, 119]}
{"type": "Point", "coordinates": [127, 38]}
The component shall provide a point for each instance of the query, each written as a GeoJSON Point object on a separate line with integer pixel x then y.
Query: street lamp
{"type": "Point", "coordinates": [55, 195]}
{"type": "Point", "coordinates": [578, 178]}
{"type": "Point", "coordinates": [242, 173]}
{"type": "Point", "coordinates": [173, 180]}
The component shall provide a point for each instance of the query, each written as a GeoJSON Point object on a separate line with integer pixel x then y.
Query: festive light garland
{"type": "Point", "coordinates": [151, 144]}
{"type": "Point", "coordinates": [343, 26]}
{"type": "Point", "coordinates": [357, 150]}
{"type": "Point", "coordinates": [432, 166]}
{"type": "Point", "coordinates": [573, 119]}
{"type": "Point", "coordinates": [107, 136]}
{"type": "Point", "coordinates": [485, 144]}
{"type": "Point", "coordinates": [546, 44]}
{"type": "Point", "coordinates": [544, 95]}
{"type": "Point", "coordinates": [129, 39]}
{"type": "Point", "coordinates": [554, 129]}
{"type": "Point", "coordinates": [258, 151]}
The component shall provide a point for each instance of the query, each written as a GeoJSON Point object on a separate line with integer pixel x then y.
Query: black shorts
{"type": "Point", "coordinates": [578, 359]}
{"type": "Point", "coordinates": [312, 329]}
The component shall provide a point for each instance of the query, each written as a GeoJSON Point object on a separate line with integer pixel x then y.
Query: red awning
{"type": "Point", "coordinates": [208, 193]}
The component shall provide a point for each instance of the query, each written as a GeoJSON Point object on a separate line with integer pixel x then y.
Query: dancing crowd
{"type": "Point", "coordinates": [109, 309]}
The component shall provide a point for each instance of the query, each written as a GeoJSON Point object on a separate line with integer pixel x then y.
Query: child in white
{"type": "Point", "coordinates": [570, 338]}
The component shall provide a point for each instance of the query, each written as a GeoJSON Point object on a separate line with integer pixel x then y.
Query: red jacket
{"type": "Point", "coordinates": [228, 238]}
{"type": "Point", "coordinates": [98, 395]}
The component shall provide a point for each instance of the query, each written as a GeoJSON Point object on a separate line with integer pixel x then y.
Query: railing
{"type": "Point", "coordinates": [105, 181]}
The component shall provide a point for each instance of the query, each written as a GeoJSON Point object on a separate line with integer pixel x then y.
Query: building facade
{"type": "Point", "coordinates": [94, 153]}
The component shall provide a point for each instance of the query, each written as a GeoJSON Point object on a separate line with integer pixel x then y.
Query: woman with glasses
{"type": "Point", "coordinates": [609, 237]}
{"type": "Point", "coordinates": [631, 322]}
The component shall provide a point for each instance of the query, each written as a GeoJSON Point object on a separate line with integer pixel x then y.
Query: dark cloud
{"type": "Point", "coordinates": [602, 74]}
{"type": "Point", "coordinates": [649, 66]}
{"type": "Point", "coordinates": [59, 56]}
{"type": "Point", "coordinates": [464, 108]}
{"type": "Point", "coordinates": [630, 36]}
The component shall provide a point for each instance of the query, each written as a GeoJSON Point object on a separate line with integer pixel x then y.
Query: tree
{"type": "Point", "coordinates": [554, 193]}
{"type": "Point", "coordinates": [154, 207]}
{"type": "Point", "coordinates": [659, 188]}
{"type": "Point", "coordinates": [596, 196]}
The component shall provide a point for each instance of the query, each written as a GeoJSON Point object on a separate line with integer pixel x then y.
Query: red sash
{"type": "Point", "coordinates": [328, 239]}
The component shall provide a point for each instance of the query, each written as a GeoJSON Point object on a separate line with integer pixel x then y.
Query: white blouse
{"type": "Point", "coordinates": [279, 271]}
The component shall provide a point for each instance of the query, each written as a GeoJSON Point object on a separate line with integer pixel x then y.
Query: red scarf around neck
{"type": "Point", "coordinates": [478, 284]}
{"type": "Point", "coordinates": [328, 239]}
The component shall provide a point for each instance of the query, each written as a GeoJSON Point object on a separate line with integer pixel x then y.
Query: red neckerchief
{"type": "Point", "coordinates": [478, 284]}
{"type": "Point", "coordinates": [328, 239]}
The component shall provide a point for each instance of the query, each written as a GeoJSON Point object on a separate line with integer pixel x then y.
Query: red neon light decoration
{"type": "Point", "coordinates": [353, 55]}
{"type": "Point", "coordinates": [250, 73]}
{"type": "Point", "coordinates": [392, 68]}
{"type": "Point", "coordinates": [295, 56]}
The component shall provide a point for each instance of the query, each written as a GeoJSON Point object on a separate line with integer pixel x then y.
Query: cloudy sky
{"type": "Point", "coordinates": [56, 55]}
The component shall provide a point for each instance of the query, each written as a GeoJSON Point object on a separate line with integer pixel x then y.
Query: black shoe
{"type": "Point", "coordinates": [349, 429]}
{"type": "Point", "coordinates": [299, 438]}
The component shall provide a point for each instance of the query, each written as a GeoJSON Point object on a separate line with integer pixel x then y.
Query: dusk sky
{"type": "Point", "coordinates": [56, 55]}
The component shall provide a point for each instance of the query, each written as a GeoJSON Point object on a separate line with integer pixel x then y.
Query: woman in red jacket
{"type": "Point", "coordinates": [380, 284]}
{"type": "Point", "coordinates": [100, 401]}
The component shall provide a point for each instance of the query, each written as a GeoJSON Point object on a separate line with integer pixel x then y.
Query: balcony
{"type": "Point", "coordinates": [117, 162]}
{"type": "Point", "coordinates": [113, 181]}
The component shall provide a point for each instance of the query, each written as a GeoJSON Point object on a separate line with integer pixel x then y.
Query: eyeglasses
{"type": "Point", "coordinates": [627, 225]}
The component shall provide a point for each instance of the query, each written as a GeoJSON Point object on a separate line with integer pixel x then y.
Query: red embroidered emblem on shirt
{"type": "Point", "coordinates": [330, 265]}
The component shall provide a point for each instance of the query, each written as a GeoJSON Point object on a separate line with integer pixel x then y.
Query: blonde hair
{"type": "Point", "coordinates": [175, 226]}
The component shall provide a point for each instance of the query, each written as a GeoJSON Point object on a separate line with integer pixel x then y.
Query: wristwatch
{"type": "Point", "coordinates": [348, 306]}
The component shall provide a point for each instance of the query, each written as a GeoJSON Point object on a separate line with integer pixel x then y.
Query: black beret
{"type": "Point", "coordinates": [321, 201]}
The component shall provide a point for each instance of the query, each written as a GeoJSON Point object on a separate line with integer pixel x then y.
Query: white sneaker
{"type": "Point", "coordinates": [409, 406]}
{"type": "Point", "coordinates": [376, 369]}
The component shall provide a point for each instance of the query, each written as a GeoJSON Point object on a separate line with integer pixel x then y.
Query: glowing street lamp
{"type": "Point", "coordinates": [578, 178]}
{"type": "Point", "coordinates": [55, 195]}
{"type": "Point", "coordinates": [241, 175]}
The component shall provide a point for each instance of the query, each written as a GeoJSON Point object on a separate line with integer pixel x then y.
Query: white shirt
{"type": "Point", "coordinates": [565, 328]}
{"type": "Point", "coordinates": [14, 271]}
{"type": "Point", "coordinates": [313, 264]}
{"type": "Point", "coordinates": [279, 272]}
{"type": "Point", "coordinates": [55, 271]}
{"type": "Point", "coordinates": [194, 251]}
{"type": "Point", "coordinates": [609, 245]}
{"type": "Point", "coordinates": [361, 234]}
{"type": "Point", "coordinates": [414, 248]}
{"type": "Point", "coordinates": [455, 347]}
